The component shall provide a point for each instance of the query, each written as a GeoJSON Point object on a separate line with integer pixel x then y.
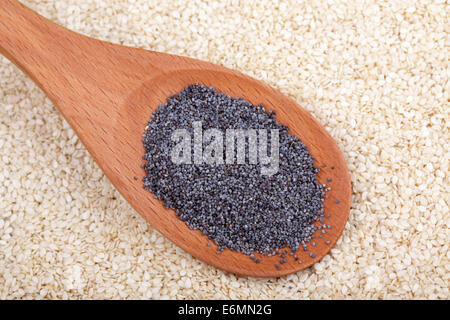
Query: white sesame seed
{"type": "Point", "coordinates": [382, 71]}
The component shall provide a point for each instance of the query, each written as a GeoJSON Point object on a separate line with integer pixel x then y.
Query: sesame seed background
{"type": "Point", "coordinates": [375, 73]}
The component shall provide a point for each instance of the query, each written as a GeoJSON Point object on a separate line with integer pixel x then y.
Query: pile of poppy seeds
{"type": "Point", "coordinates": [234, 205]}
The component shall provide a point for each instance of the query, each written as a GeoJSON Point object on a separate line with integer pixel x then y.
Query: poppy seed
{"type": "Point", "coordinates": [233, 205]}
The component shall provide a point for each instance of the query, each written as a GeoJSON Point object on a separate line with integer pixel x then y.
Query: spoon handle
{"type": "Point", "coordinates": [56, 58]}
{"type": "Point", "coordinates": [30, 41]}
{"type": "Point", "coordinates": [68, 66]}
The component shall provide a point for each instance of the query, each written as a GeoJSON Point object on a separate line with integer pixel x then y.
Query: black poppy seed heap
{"type": "Point", "coordinates": [234, 205]}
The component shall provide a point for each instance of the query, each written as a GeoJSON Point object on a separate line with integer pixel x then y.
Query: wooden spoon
{"type": "Point", "coordinates": [107, 92]}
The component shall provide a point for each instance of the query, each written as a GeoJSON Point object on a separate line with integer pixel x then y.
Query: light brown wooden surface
{"type": "Point", "coordinates": [107, 93]}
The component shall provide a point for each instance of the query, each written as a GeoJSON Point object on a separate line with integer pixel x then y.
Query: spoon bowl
{"type": "Point", "coordinates": [107, 93]}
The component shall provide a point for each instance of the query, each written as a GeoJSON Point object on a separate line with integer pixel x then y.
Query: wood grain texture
{"type": "Point", "coordinates": [107, 92]}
